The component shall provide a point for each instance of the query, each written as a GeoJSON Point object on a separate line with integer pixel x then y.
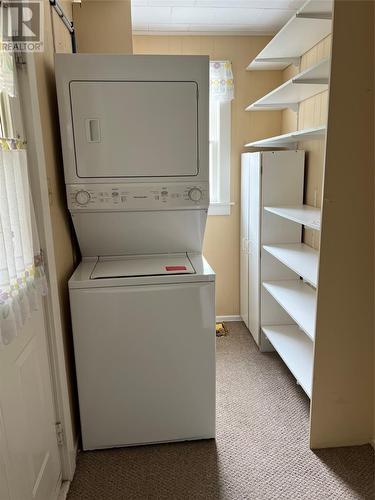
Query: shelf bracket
{"type": "Point", "coordinates": [314, 15]}
{"type": "Point", "coordinates": [293, 106]}
{"type": "Point", "coordinates": [317, 81]}
{"type": "Point", "coordinates": [284, 145]}
{"type": "Point", "coordinates": [291, 145]}
{"type": "Point", "coordinates": [276, 106]}
{"type": "Point", "coordinates": [287, 60]}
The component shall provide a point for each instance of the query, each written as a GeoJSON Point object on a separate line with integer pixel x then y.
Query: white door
{"type": "Point", "coordinates": [29, 455]}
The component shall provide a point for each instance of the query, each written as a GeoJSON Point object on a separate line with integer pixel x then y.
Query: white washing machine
{"type": "Point", "coordinates": [144, 349]}
{"type": "Point", "coordinates": [134, 132]}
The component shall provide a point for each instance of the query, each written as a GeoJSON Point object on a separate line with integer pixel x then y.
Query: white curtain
{"type": "Point", "coordinates": [7, 73]}
{"type": "Point", "coordinates": [21, 268]}
{"type": "Point", "coordinates": [22, 275]}
{"type": "Point", "coordinates": [221, 81]}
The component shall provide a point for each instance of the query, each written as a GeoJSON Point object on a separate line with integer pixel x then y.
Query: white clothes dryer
{"type": "Point", "coordinates": [134, 133]}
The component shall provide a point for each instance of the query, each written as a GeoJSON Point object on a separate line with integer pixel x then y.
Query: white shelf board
{"type": "Point", "coordinates": [305, 29]}
{"type": "Point", "coordinates": [298, 299]}
{"type": "Point", "coordinates": [296, 350]}
{"type": "Point", "coordinates": [291, 139]}
{"type": "Point", "coordinates": [306, 84]}
{"type": "Point", "coordinates": [301, 214]}
{"type": "Point", "coordinates": [299, 257]}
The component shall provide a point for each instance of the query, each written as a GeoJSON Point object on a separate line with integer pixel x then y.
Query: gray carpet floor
{"type": "Point", "coordinates": [261, 450]}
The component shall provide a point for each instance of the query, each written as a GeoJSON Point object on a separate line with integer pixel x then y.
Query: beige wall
{"type": "Point", "coordinates": [311, 113]}
{"type": "Point", "coordinates": [56, 36]}
{"type": "Point", "coordinates": [221, 245]}
{"type": "Point", "coordinates": [103, 26]}
{"type": "Point", "coordinates": [343, 391]}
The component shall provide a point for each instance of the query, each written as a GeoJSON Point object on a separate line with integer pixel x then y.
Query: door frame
{"type": "Point", "coordinates": [55, 338]}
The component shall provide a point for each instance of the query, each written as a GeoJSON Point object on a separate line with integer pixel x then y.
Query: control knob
{"type": "Point", "coordinates": [82, 197]}
{"type": "Point", "coordinates": [195, 194]}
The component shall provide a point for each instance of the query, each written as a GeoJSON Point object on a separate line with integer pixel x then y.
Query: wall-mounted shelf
{"type": "Point", "coordinates": [306, 84]}
{"type": "Point", "coordinates": [298, 299]}
{"type": "Point", "coordinates": [319, 73]}
{"type": "Point", "coordinates": [305, 29]}
{"type": "Point", "coordinates": [290, 140]}
{"type": "Point", "coordinates": [299, 257]}
{"type": "Point", "coordinates": [302, 214]}
{"type": "Point", "coordinates": [295, 349]}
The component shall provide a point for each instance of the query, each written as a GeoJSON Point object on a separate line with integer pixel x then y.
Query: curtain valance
{"type": "Point", "coordinates": [221, 81]}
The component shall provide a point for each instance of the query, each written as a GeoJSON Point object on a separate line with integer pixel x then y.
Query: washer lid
{"type": "Point", "coordinates": [142, 265]}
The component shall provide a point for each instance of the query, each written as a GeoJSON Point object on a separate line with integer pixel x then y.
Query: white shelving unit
{"type": "Point", "coordinates": [305, 29]}
{"type": "Point", "coordinates": [295, 349]}
{"type": "Point", "coordinates": [285, 307]}
{"type": "Point", "coordinates": [299, 257]}
{"type": "Point", "coordinates": [281, 291]}
{"type": "Point", "coordinates": [291, 139]}
{"type": "Point", "coordinates": [306, 84]}
{"type": "Point", "coordinates": [298, 299]}
{"type": "Point", "coordinates": [302, 214]}
{"type": "Point", "coordinates": [267, 177]}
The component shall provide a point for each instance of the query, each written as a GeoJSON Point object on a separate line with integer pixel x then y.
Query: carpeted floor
{"type": "Point", "coordinates": [261, 450]}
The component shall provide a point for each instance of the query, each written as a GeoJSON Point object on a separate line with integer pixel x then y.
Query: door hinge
{"type": "Point", "coordinates": [19, 58]}
{"type": "Point", "coordinates": [59, 433]}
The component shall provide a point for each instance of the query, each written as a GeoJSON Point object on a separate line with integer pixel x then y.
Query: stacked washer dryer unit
{"type": "Point", "coordinates": [135, 144]}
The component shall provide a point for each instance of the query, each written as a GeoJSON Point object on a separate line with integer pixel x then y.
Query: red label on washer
{"type": "Point", "coordinates": [175, 268]}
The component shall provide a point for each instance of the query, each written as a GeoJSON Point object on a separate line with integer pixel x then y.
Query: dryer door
{"type": "Point", "coordinates": [135, 129]}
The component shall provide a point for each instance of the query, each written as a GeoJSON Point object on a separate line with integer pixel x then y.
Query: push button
{"type": "Point", "coordinates": [175, 268]}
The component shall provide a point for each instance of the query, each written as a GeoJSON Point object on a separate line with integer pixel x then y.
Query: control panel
{"type": "Point", "coordinates": [137, 196]}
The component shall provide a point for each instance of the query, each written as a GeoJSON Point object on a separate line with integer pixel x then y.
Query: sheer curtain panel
{"type": "Point", "coordinates": [22, 276]}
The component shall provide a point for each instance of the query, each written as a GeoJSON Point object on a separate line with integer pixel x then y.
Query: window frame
{"type": "Point", "coordinates": [220, 155]}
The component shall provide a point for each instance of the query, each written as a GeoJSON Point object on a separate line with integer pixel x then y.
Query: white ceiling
{"type": "Point", "coordinates": [212, 16]}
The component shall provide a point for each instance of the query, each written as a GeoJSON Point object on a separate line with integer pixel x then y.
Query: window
{"type": "Point", "coordinates": [220, 139]}
{"type": "Point", "coordinates": [221, 95]}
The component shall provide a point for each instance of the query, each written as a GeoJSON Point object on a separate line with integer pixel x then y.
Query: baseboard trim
{"type": "Point", "coordinates": [227, 318]}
